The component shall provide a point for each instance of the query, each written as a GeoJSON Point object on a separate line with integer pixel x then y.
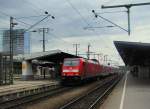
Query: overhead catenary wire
{"type": "Point", "coordinates": [92, 19]}
{"type": "Point", "coordinates": [113, 23]}
{"type": "Point", "coordinates": [27, 24]}
{"type": "Point", "coordinates": [73, 7]}
{"type": "Point", "coordinates": [7, 15]}
{"type": "Point", "coordinates": [82, 17]}
{"type": "Point", "coordinates": [111, 12]}
{"type": "Point", "coordinates": [27, 17]}
{"type": "Point", "coordinates": [4, 23]}
{"type": "Point", "coordinates": [97, 15]}
{"type": "Point", "coordinates": [41, 15]}
{"type": "Point", "coordinates": [31, 24]}
{"type": "Point", "coordinates": [3, 13]}
{"type": "Point", "coordinates": [77, 12]}
{"type": "Point", "coordinates": [109, 1]}
{"type": "Point", "coordinates": [34, 7]}
{"type": "Point", "coordinates": [57, 37]}
{"type": "Point", "coordinates": [23, 22]}
{"type": "Point", "coordinates": [38, 22]}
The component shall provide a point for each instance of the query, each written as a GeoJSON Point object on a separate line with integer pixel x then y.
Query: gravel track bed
{"type": "Point", "coordinates": [55, 102]}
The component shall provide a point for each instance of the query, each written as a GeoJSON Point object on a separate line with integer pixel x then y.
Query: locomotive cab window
{"type": "Point", "coordinates": [71, 62]}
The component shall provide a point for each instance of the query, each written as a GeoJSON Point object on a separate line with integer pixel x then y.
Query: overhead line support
{"type": "Point", "coordinates": [76, 47]}
{"type": "Point", "coordinates": [127, 6]}
{"type": "Point", "coordinates": [96, 15]}
{"type": "Point", "coordinates": [12, 24]}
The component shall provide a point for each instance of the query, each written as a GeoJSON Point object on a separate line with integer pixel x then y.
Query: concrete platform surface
{"type": "Point", "coordinates": [113, 100]}
{"type": "Point", "coordinates": [132, 94]}
{"type": "Point", "coordinates": [25, 85]}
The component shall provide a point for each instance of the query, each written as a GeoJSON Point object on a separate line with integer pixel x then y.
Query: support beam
{"type": "Point", "coordinates": [127, 6]}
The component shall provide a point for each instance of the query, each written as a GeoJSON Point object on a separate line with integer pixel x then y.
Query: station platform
{"type": "Point", "coordinates": [25, 88]}
{"type": "Point", "coordinates": [23, 85]}
{"type": "Point", "coordinates": [130, 93]}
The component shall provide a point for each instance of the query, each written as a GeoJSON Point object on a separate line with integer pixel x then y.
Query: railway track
{"type": "Point", "coordinates": [17, 103]}
{"type": "Point", "coordinates": [91, 99]}
{"type": "Point", "coordinates": [78, 103]}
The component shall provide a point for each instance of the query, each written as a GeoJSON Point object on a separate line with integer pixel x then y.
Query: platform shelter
{"type": "Point", "coordinates": [136, 55]}
{"type": "Point", "coordinates": [54, 56]}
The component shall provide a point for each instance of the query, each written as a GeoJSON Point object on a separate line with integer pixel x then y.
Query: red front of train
{"type": "Point", "coordinates": [80, 69]}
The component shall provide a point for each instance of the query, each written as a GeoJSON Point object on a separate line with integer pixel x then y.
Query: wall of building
{"type": "Point", "coordinates": [21, 41]}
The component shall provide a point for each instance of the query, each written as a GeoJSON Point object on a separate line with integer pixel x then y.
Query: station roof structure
{"type": "Point", "coordinates": [134, 53]}
{"type": "Point", "coordinates": [51, 56]}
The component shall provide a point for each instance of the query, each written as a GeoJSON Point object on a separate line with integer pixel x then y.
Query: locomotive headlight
{"type": "Point", "coordinates": [76, 74]}
{"type": "Point", "coordinates": [64, 74]}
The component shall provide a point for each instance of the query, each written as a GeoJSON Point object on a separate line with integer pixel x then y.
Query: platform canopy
{"type": "Point", "coordinates": [134, 53]}
{"type": "Point", "coordinates": [51, 56]}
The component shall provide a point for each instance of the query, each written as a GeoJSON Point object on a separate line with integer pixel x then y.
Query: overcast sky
{"type": "Point", "coordinates": [71, 17]}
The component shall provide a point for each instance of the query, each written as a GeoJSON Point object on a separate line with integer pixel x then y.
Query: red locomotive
{"type": "Point", "coordinates": [80, 69]}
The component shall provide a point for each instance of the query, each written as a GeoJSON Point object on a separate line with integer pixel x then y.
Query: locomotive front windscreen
{"type": "Point", "coordinates": [71, 62]}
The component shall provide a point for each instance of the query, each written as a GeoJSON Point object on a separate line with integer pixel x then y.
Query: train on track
{"type": "Point", "coordinates": [80, 69]}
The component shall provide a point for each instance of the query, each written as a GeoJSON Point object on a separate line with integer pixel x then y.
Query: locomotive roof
{"type": "Point", "coordinates": [84, 59]}
{"type": "Point", "coordinates": [134, 53]}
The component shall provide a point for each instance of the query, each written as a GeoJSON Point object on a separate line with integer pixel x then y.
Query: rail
{"type": "Point", "coordinates": [93, 97]}
{"type": "Point", "coordinates": [25, 98]}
